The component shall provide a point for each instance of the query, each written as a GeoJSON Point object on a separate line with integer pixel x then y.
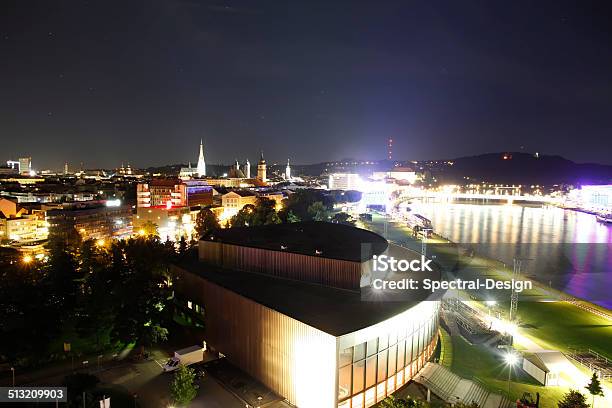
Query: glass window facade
{"type": "Point", "coordinates": [370, 371]}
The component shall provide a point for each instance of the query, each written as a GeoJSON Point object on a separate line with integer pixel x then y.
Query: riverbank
{"type": "Point", "coordinates": [556, 324]}
{"type": "Point", "coordinates": [549, 318]}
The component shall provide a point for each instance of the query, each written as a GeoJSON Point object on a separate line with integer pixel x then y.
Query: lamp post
{"type": "Point", "coordinates": [424, 233]}
{"type": "Point", "coordinates": [13, 372]}
{"type": "Point", "coordinates": [511, 360]}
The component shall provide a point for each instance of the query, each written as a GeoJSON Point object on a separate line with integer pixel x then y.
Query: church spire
{"type": "Point", "coordinates": [288, 171]}
{"type": "Point", "coordinates": [201, 169]}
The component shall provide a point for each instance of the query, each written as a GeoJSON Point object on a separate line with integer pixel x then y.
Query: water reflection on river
{"type": "Point", "coordinates": [569, 250]}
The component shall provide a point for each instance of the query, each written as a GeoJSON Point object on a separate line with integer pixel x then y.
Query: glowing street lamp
{"type": "Point", "coordinates": [511, 360]}
{"type": "Point", "coordinates": [27, 259]}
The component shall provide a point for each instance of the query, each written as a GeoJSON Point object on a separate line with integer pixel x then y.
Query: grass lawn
{"type": "Point", "coordinates": [481, 364]}
{"type": "Point", "coordinates": [561, 325]}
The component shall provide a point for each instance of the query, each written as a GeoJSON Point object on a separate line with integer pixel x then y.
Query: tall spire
{"type": "Point", "coordinates": [288, 171]}
{"type": "Point", "coordinates": [201, 169]}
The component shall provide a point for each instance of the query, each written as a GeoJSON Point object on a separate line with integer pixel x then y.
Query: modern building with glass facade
{"type": "Point", "coordinates": [283, 303]}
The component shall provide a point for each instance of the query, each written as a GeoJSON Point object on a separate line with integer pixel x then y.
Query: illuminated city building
{"type": "Point", "coordinates": [261, 169]}
{"type": "Point", "coordinates": [282, 303]}
{"type": "Point", "coordinates": [275, 196]}
{"type": "Point", "coordinates": [593, 198]}
{"type": "Point", "coordinates": [344, 181]}
{"type": "Point", "coordinates": [18, 225]}
{"type": "Point", "coordinates": [91, 220]}
{"type": "Point", "coordinates": [401, 175]}
{"type": "Point", "coordinates": [124, 171]}
{"type": "Point", "coordinates": [233, 201]}
{"type": "Point", "coordinates": [171, 222]}
{"type": "Point", "coordinates": [25, 166]}
{"type": "Point", "coordinates": [173, 192]}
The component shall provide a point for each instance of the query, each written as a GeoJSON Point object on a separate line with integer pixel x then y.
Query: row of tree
{"type": "Point", "coordinates": [90, 295]}
{"type": "Point", "coordinates": [303, 205]}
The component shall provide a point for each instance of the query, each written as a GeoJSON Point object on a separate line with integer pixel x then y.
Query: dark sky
{"type": "Point", "coordinates": [106, 82]}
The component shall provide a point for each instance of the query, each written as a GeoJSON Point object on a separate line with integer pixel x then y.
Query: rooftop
{"type": "Point", "coordinates": [334, 311]}
{"type": "Point", "coordinates": [325, 239]}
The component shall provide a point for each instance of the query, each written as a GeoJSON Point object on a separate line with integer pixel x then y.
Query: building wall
{"type": "Point", "coordinates": [325, 271]}
{"type": "Point", "coordinates": [377, 360]}
{"type": "Point", "coordinates": [291, 358]}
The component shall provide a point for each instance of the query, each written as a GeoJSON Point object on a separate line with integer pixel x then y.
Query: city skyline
{"type": "Point", "coordinates": [315, 82]}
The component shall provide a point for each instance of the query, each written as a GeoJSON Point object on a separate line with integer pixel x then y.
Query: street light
{"type": "Point", "coordinates": [511, 360]}
{"type": "Point", "coordinates": [13, 372]}
{"type": "Point", "coordinates": [424, 233]}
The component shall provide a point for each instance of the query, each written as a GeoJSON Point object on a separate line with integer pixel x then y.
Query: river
{"type": "Point", "coordinates": [565, 249]}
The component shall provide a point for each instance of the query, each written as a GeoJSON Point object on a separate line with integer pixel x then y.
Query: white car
{"type": "Point", "coordinates": [171, 365]}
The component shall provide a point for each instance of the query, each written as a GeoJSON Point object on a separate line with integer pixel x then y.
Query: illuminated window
{"type": "Point", "coordinates": [189, 304]}
{"type": "Point", "coordinates": [345, 404]}
{"type": "Point", "coordinates": [392, 360]}
{"type": "Point", "coordinates": [344, 382]}
{"type": "Point", "coordinates": [407, 375]}
{"type": "Point", "coordinates": [358, 401]}
{"type": "Point", "coordinates": [370, 397]}
{"type": "Point", "coordinates": [383, 342]}
{"type": "Point", "coordinates": [382, 366]}
{"type": "Point", "coordinates": [400, 354]}
{"type": "Point", "coordinates": [346, 357]}
{"type": "Point", "coordinates": [381, 391]}
{"type": "Point", "coordinates": [390, 385]}
{"type": "Point", "coordinates": [372, 347]}
{"type": "Point", "coordinates": [358, 376]}
{"type": "Point", "coordinates": [399, 378]}
{"type": "Point", "coordinates": [359, 352]}
{"type": "Point", "coordinates": [370, 371]}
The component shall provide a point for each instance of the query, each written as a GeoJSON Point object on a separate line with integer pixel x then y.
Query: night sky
{"type": "Point", "coordinates": [106, 82]}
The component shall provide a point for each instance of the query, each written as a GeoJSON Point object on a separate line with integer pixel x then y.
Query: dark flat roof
{"type": "Point", "coordinates": [333, 311]}
{"type": "Point", "coordinates": [336, 241]}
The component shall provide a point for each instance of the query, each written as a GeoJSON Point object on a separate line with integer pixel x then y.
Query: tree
{"type": "Point", "coordinates": [149, 229]}
{"type": "Point", "coordinates": [573, 399]}
{"type": "Point", "coordinates": [318, 211]}
{"type": "Point", "coordinates": [394, 402]}
{"type": "Point", "coordinates": [183, 246]}
{"type": "Point", "coordinates": [291, 217]}
{"type": "Point", "coordinates": [141, 293]}
{"type": "Point", "coordinates": [298, 203]}
{"type": "Point", "coordinates": [594, 388]}
{"type": "Point", "coordinates": [206, 222]}
{"type": "Point", "coordinates": [244, 217]}
{"type": "Point", "coordinates": [78, 385]}
{"type": "Point", "coordinates": [472, 404]}
{"type": "Point", "coordinates": [182, 387]}
{"type": "Point", "coordinates": [265, 212]}
{"type": "Point", "coordinates": [342, 218]}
